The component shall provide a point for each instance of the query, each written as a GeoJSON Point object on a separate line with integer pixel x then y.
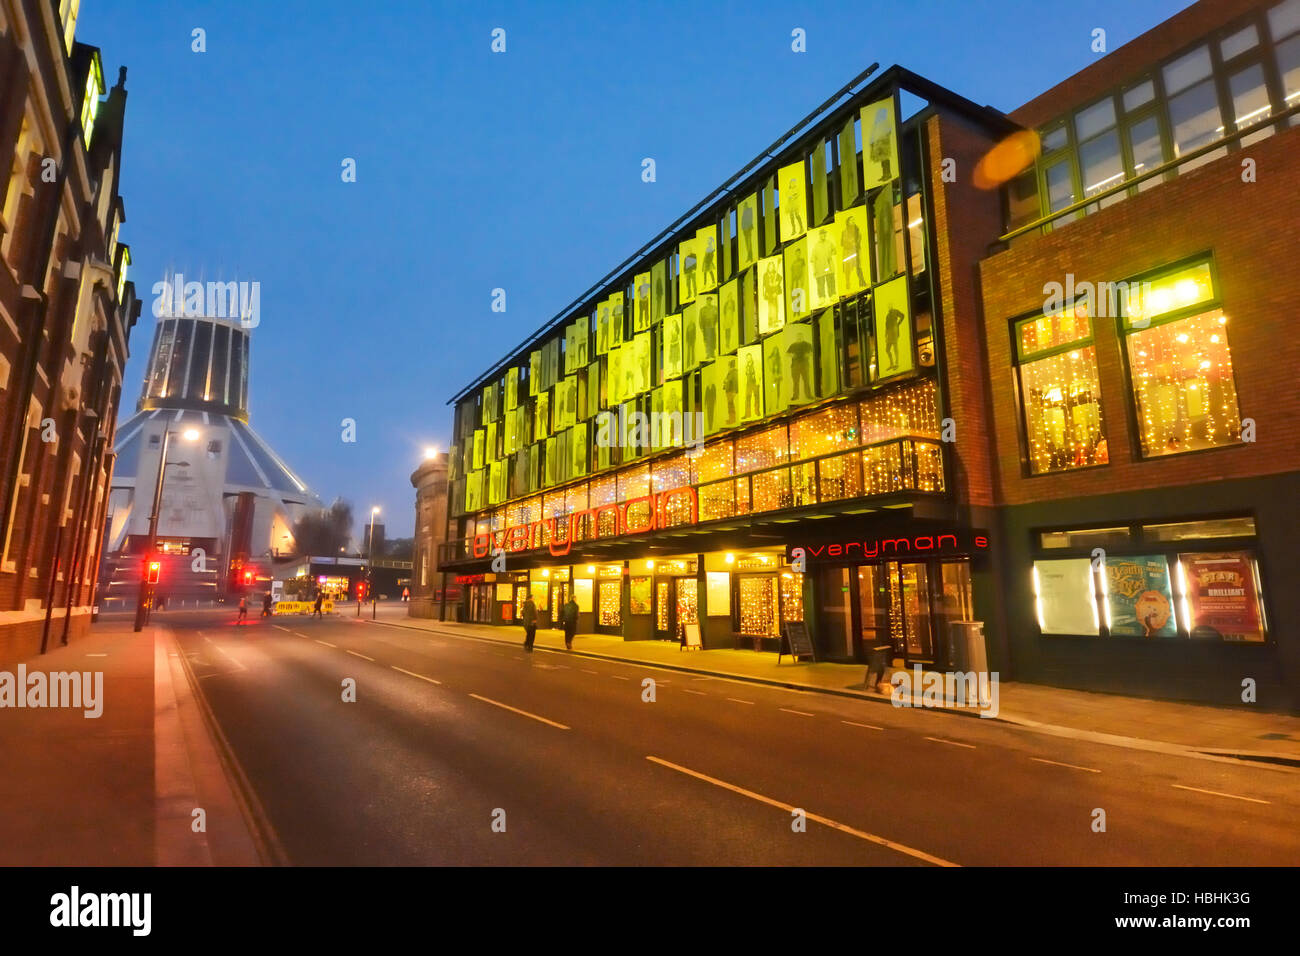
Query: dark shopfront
{"type": "Point", "coordinates": [898, 590]}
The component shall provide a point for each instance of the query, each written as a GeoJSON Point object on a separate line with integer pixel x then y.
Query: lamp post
{"type": "Point", "coordinates": [146, 592]}
{"type": "Point", "coordinates": [370, 564]}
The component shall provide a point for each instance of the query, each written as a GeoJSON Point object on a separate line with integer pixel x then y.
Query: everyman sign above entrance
{"type": "Point", "coordinates": [871, 547]}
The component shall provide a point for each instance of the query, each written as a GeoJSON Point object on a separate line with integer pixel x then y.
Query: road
{"type": "Point", "coordinates": [461, 751]}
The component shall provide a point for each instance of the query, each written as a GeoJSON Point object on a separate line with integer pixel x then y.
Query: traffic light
{"type": "Point", "coordinates": [248, 578]}
{"type": "Point", "coordinates": [361, 590]}
{"type": "Point", "coordinates": [154, 571]}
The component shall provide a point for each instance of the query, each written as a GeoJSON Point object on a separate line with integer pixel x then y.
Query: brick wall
{"type": "Point", "coordinates": [965, 219]}
{"type": "Point", "coordinates": [1252, 230]}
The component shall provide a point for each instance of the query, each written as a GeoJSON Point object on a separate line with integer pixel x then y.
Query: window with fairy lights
{"type": "Point", "coordinates": [1060, 396]}
{"type": "Point", "coordinates": [1180, 366]}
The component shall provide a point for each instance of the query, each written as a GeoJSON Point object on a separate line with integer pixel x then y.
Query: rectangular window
{"type": "Point", "coordinates": [1288, 68]}
{"type": "Point", "coordinates": [1181, 373]}
{"type": "Point", "coordinates": [1060, 188]}
{"type": "Point", "coordinates": [1207, 528]}
{"type": "Point", "coordinates": [1196, 121]}
{"type": "Point", "coordinates": [1101, 166]}
{"type": "Point", "coordinates": [1250, 103]}
{"type": "Point", "coordinates": [1060, 393]}
{"type": "Point", "coordinates": [1085, 538]}
{"type": "Point", "coordinates": [1147, 148]}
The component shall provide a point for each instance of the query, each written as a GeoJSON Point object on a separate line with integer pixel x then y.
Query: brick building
{"type": "Point", "coordinates": [67, 309]}
{"type": "Point", "coordinates": [1146, 440]}
{"type": "Point", "coordinates": [430, 589]}
{"type": "Point", "coordinates": [1061, 400]}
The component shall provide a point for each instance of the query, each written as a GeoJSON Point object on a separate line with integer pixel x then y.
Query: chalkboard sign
{"type": "Point", "coordinates": [691, 637]}
{"type": "Point", "coordinates": [797, 643]}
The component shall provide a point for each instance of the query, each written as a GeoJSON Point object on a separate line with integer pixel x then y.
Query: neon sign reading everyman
{"type": "Point", "coordinates": [529, 536]}
{"type": "Point", "coordinates": [877, 547]}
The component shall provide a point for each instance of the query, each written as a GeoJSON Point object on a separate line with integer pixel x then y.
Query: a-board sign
{"type": "Point", "coordinates": [692, 636]}
{"type": "Point", "coordinates": [797, 643]}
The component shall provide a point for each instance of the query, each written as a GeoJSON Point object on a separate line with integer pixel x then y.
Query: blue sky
{"type": "Point", "coordinates": [478, 170]}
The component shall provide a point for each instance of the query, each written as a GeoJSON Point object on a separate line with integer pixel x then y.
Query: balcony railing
{"type": "Point", "coordinates": [897, 465]}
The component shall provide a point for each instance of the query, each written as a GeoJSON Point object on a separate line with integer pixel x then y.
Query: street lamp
{"type": "Point", "coordinates": [370, 564]}
{"type": "Point", "coordinates": [146, 592]}
{"type": "Point", "coordinates": [430, 453]}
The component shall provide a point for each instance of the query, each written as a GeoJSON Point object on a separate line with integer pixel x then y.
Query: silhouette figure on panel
{"type": "Point", "coordinates": [710, 263]}
{"type": "Point", "coordinates": [747, 230]}
{"type": "Point", "coordinates": [800, 353]}
{"type": "Point", "coordinates": [753, 394]}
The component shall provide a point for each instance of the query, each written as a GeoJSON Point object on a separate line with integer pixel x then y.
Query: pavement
{"type": "Point", "coordinates": [1240, 732]}
{"type": "Point", "coordinates": [120, 789]}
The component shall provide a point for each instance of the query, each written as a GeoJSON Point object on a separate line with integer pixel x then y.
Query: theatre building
{"type": "Point", "coordinates": [924, 362]}
{"type": "Point", "coordinates": [759, 418]}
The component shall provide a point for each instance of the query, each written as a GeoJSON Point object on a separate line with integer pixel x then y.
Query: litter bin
{"type": "Point", "coordinates": [966, 650]}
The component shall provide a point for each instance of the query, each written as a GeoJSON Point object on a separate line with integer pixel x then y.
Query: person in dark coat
{"type": "Point", "coordinates": [320, 596]}
{"type": "Point", "coordinates": [569, 618]}
{"type": "Point", "coordinates": [528, 616]}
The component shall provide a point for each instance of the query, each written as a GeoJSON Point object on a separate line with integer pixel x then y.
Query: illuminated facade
{"type": "Point", "coordinates": [1039, 358]}
{"type": "Point", "coordinates": [766, 374]}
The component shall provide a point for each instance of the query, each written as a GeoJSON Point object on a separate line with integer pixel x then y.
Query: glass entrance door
{"type": "Point", "coordinates": [687, 604]}
{"type": "Point", "coordinates": [915, 609]}
{"type": "Point", "coordinates": [873, 606]}
{"type": "Point", "coordinates": [664, 629]}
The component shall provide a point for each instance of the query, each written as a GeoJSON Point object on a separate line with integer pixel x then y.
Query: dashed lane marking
{"type": "Point", "coordinates": [1216, 793]}
{"type": "Point", "coordinates": [954, 743]}
{"type": "Point", "coordinates": [326, 643]}
{"type": "Point", "coordinates": [824, 821]}
{"type": "Point", "coordinates": [854, 723]}
{"type": "Point", "coordinates": [1072, 766]}
{"type": "Point", "coordinates": [414, 674]}
{"type": "Point", "coordinates": [362, 656]}
{"type": "Point", "coordinates": [737, 700]}
{"type": "Point", "coordinates": [801, 713]}
{"type": "Point", "coordinates": [516, 710]}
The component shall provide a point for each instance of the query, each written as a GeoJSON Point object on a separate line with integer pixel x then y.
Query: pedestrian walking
{"type": "Point", "coordinates": [266, 604]}
{"type": "Point", "coordinates": [569, 618]}
{"type": "Point", "coordinates": [320, 596]}
{"type": "Point", "coordinates": [243, 610]}
{"type": "Point", "coordinates": [528, 615]}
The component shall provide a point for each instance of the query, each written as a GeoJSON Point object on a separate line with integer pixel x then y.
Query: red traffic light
{"type": "Point", "coordinates": [155, 569]}
{"type": "Point", "coordinates": [248, 577]}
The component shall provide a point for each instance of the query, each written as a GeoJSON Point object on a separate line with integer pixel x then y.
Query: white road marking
{"type": "Point", "coordinates": [801, 713]}
{"type": "Point", "coordinates": [697, 693]}
{"type": "Point", "coordinates": [1072, 766]}
{"type": "Point", "coordinates": [585, 671]}
{"type": "Point", "coordinates": [326, 643]}
{"type": "Point", "coordinates": [279, 628]}
{"type": "Point", "coordinates": [737, 700]}
{"type": "Point", "coordinates": [853, 723]}
{"type": "Point", "coordinates": [524, 713]}
{"type": "Point", "coordinates": [414, 674]}
{"type": "Point", "coordinates": [362, 656]}
{"type": "Point", "coordinates": [824, 821]}
{"type": "Point", "coordinates": [216, 647]}
{"type": "Point", "coordinates": [1216, 793]}
{"type": "Point", "coordinates": [955, 743]}
{"type": "Point", "coordinates": [619, 677]}
{"type": "Point", "coordinates": [96, 655]}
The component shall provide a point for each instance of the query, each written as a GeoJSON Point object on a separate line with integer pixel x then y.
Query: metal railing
{"type": "Point", "coordinates": [908, 463]}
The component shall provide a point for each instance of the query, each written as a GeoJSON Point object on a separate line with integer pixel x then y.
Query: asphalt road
{"type": "Point", "coordinates": [449, 737]}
